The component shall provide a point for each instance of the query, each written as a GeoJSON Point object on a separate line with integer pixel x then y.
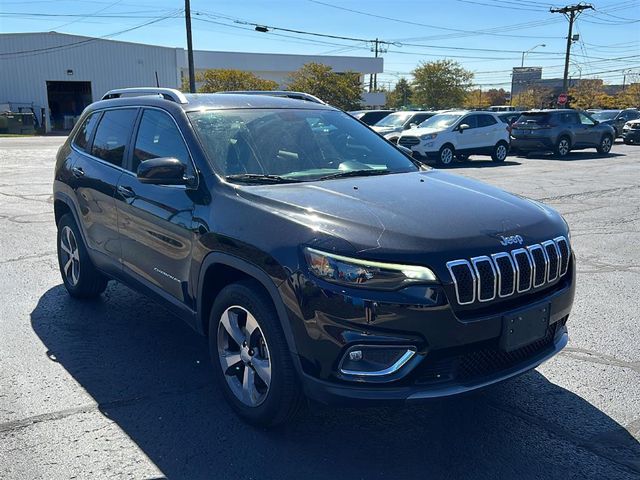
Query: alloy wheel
{"type": "Point", "coordinates": [563, 147]}
{"type": "Point", "coordinates": [446, 156]}
{"type": "Point", "coordinates": [70, 256]}
{"type": "Point", "coordinates": [244, 356]}
{"type": "Point", "coordinates": [605, 145]}
{"type": "Point", "coordinates": [501, 152]}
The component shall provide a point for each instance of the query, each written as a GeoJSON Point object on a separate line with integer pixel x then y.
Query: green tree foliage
{"type": "Point", "coordinates": [476, 99]}
{"type": "Point", "coordinates": [342, 90]}
{"type": "Point", "coordinates": [220, 80]}
{"type": "Point", "coordinates": [629, 97]}
{"type": "Point", "coordinates": [400, 96]}
{"type": "Point", "coordinates": [441, 84]}
{"type": "Point", "coordinates": [590, 94]}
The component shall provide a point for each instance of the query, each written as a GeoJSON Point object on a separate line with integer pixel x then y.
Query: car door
{"type": "Point", "coordinates": [586, 135]}
{"type": "Point", "coordinates": [100, 148]}
{"type": "Point", "coordinates": [489, 132]}
{"type": "Point", "coordinates": [155, 221]}
{"type": "Point", "coordinates": [467, 139]}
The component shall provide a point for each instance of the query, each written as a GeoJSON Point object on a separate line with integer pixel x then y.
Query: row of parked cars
{"type": "Point", "coordinates": [453, 135]}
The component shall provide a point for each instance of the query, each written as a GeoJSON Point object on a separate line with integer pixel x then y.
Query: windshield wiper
{"type": "Point", "coordinates": [260, 178]}
{"type": "Point", "coordinates": [355, 173]}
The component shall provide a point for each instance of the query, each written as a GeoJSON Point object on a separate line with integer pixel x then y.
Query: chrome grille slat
{"type": "Point", "coordinates": [485, 278]}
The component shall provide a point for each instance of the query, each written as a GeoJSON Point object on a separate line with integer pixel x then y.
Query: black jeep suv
{"type": "Point", "coordinates": [319, 259]}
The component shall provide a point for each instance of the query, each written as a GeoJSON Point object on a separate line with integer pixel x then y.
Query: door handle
{"type": "Point", "coordinates": [77, 172]}
{"type": "Point", "coordinates": [126, 192]}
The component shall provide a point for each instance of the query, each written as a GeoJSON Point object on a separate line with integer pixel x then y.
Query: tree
{"type": "Point", "coordinates": [534, 97]}
{"type": "Point", "coordinates": [441, 84]}
{"type": "Point", "coordinates": [496, 96]}
{"type": "Point", "coordinates": [400, 96]}
{"type": "Point", "coordinates": [590, 94]}
{"type": "Point", "coordinates": [220, 80]}
{"type": "Point", "coordinates": [629, 97]}
{"type": "Point", "coordinates": [476, 99]}
{"type": "Point", "coordinates": [342, 90]}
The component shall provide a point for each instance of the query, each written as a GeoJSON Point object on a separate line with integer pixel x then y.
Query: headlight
{"type": "Point", "coordinates": [355, 272]}
{"type": "Point", "coordinates": [428, 136]}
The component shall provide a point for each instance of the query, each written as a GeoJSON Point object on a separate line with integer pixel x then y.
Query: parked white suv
{"type": "Point", "coordinates": [456, 135]}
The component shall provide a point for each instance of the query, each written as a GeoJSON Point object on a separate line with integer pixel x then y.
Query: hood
{"type": "Point", "coordinates": [416, 132]}
{"type": "Point", "coordinates": [407, 215]}
{"type": "Point", "coordinates": [383, 130]}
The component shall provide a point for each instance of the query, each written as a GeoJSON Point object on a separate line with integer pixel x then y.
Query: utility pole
{"type": "Point", "coordinates": [378, 48]}
{"type": "Point", "coordinates": [192, 73]}
{"type": "Point", "coordinates": [571, 12]}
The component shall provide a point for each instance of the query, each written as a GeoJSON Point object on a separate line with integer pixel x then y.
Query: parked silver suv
{"type": "Point", "coordinates": [560, 131]}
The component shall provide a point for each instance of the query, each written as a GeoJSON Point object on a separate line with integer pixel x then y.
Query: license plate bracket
{"type": "Point", "coordinates": [525, 327]}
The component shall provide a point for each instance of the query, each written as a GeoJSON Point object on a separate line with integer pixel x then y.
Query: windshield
{"type": "Point", "coordinates": [442, 120]}
{"type": "Point", "coordinates": [293, 145]}
{"type": "Point", "coordinates": [605, 115]}
{"type": "Point", "coordinates": [394, 120]}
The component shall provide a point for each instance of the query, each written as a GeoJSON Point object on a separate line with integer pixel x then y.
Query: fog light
{"type": "Point", "coordinates": [375, 360]}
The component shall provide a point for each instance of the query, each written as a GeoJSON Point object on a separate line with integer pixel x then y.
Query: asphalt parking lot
{"type": "Point", "coordinates": [120, 389]}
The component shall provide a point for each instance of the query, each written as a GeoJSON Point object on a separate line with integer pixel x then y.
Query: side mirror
{"type": "Point", "coordinates": [162, 171]}
{"type": "Point", "coordinates": [463, 127]}
{"type": "Point", "coordinates": [596, 122]}
{"type": "Point", "coordinates": [413, 125]}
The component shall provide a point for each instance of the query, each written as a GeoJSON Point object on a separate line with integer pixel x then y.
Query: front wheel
{"type": "Point", "coordinates": [250, 356]}
{"type": "Point", "coordinates": [446, 155]}
{"type": "Point", "coordinates": [605, 145]}
{"type": "Point", "coordinates": [500, 152]}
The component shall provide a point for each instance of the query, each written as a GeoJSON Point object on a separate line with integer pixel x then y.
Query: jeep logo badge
{"type": "Point", "coordinates": [511, 240]}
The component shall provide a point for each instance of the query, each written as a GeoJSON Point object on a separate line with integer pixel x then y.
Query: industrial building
{"type": "Point", "coordinates": [57, 75]}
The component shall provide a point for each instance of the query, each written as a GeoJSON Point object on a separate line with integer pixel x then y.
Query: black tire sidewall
{"type": "Point", "coordinates": [600, 149]}
{"type": "Point", "coordinates": [557, 149]}
{"type": "Point", "coordinates": [282, 391]}
{"type": "Point", "coordinates": [494, 156]}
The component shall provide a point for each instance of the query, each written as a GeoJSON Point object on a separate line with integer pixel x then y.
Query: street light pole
{"type": "Point", "coordinates": [527, 51]}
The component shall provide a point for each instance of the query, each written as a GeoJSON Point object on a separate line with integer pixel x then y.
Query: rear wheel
{"type": "Point", "coordinates": [500, 152]}
{"type": "Point", "coordinates": [446, 155]}
{"type": "Point", "coordinates": [250, 356]}
{"type": "Point", "coordinates": [605, 145]}
{"type": "Point", "coordinates": [79, 275]}
{"type": "Point", "coordinates": [563, 147]}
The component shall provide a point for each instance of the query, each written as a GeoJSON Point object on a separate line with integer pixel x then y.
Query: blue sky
{"type": "Point", "coordinates": [485, 36]}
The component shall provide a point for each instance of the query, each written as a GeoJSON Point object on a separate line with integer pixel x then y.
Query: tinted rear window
{"type": "Point", "coordinates": [535, 118]}
{"type": "Point", "coordinates": [113, 134]}
{"type": "Point", "coordinates": [81, 139]}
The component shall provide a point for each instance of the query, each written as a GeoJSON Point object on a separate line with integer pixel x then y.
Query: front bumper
{"type": "Point", "coordinates": [457, 350]}
{"type": "Point", "coordinates": [631, 136]}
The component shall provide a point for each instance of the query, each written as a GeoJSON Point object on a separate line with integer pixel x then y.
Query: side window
{"type": "Point", "coordinates": [486, 121]}
{"type": "Point", "coordinates": [81, 140]}
{"type": "Point", "coordinates": [584, 120]}
{"type": "Point", "coordinates": [421, 117]}
{"type": "Point", "coordinates": [113, 134]}
{"type": "Point", "coordinates": [157, 137]}
{"type": "Point", "coordinates": [471, 120]}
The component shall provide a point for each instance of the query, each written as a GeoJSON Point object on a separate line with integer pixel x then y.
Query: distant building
{"type": "Point", "coordinates": [525, 78]}
{"type": "Point", "coordinates": [63, 73]}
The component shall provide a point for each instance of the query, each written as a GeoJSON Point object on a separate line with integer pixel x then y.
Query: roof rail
{"type": "Point", "coordinates": [279, 93]}
{"type": "Point", "coordinates": [166, 93]}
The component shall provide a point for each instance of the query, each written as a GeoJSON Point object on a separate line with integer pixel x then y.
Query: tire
{"type": "Point", "coordinates": [605, 145]}
{"type": "Point", "coordinates": [446, 155]}
{"type": "Point", "coordinates": [265, 396]}
{"type": "Point", "coordinates": [79, 275]}
{"type": "Point", "coordinates": [563, 147]}
{"type": "Point", "coordinates": [500, 152]}
{"type": "Point", "coordinates": [461, 157]}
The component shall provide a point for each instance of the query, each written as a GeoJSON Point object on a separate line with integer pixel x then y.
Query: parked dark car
{"type": "Point", "coordinates": [509, 118]}
{"type": "Point", "coordinates": [560, 131]}
{"type": "Point", "coordinates": [370, 117]}
{"type": "Point", "coordinates": [616, 118]}
{"type": "Point", "coordinates": [631, 132]}
{"type": "Point", "coordinates": [304, 253]}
